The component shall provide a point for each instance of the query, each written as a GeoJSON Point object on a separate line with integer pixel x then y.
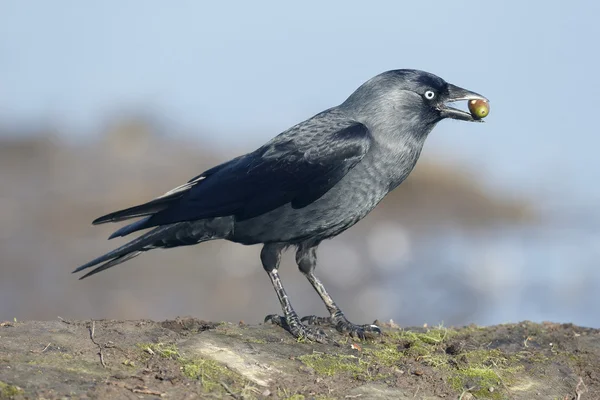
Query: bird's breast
{"type": "Point", "coordinates": [350, 200]}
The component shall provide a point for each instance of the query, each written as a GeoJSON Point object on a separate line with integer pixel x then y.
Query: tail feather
{"type": "Point", "coordinates": [142, 210]}
{"type": "Point", "coordinates": [127, 229]}
{"type": "Point", "coordinates": [112, 263]}
{"type": "Point", "coordinates": [154, 206]}
{"type": "Point", "coordinates": [124, 253]}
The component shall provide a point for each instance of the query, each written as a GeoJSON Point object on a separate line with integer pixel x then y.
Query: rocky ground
{"type": "Point", "coordinates": [189, 358]}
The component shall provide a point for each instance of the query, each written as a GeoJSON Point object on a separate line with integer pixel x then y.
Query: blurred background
{"type": "Point", "coordinates": [104, 105]}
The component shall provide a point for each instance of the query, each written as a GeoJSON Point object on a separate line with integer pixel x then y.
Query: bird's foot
{"type": "Point", "coordinates": [342, 325]}
{"type": "Point", "coordinates": [293, 325]}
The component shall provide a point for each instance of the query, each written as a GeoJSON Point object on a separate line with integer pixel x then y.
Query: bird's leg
{"type": "Point", "coordinates": [270, 257]}
{"type": "Point", "coordinates": [306, 258]}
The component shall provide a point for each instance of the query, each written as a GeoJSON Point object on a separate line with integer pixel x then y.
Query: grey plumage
{"type": "Point", "coordinates": [307, 184]}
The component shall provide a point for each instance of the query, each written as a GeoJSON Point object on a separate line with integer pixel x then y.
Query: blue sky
{"type": "Point", "coordinates": [241, 72]}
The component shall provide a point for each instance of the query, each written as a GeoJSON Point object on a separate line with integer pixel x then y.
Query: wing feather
{"type": "Point", "coordinates": [298, 167]}
{"type": "Point", "coordinates": [272, 176]}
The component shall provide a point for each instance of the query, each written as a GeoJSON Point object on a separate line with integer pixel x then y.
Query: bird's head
{"type": "Point", "coordinates": [410, 99]}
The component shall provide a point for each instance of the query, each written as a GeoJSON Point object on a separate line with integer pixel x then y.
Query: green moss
{"type": "Point", "coordinates": [485, 369]}
{"type": "Point", "coordinates": [210, 373]}
{"type": "Point", "coordinates": [333, 364]}
{"type": "Point", "coordinates": [296, 397]}
{"type": "Point", "coordinates": [423, 346]}
{"type": "Point", "coordinates": [485, 373]}
{"type": "Point", "coordinates": [432, 337]}
{"type": "Point", "coordinates": [435, 336]}
{"type": "Point", "coordinates": [390, 352]}
{"type": "Point", "coordinates": [486, 358]}
{"type": "Point", "coordinates": [128, 363]}
{"type": "Point", "coordinates": [385, 354]}
{"type": "Point", "coordinates": [213, 376]}
{"type": "Point", "coordinates": [481, 382]}
{"type": "Point", "coordinates": [475, 371]}
{"type": "Point", "coordinates": [163, 350]}
{"type": "Point", "coordinates": [9, 391]}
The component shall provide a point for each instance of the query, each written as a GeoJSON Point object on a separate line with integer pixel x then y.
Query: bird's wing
{"type": "Point", "coordinates": [290, 169]}
{"type": "Point", "coordinates": [158, 204]}
{"type": "Point", "coordinates": [297, 167]}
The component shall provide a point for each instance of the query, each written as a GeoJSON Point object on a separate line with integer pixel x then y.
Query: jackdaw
{"type": "Point", "coordinates": [309, 183]}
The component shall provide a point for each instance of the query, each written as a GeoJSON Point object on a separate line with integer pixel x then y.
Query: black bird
{"type": "Point", "coordinates": [307, 184]}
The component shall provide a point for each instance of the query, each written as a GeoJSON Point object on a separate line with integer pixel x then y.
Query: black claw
{"type": "Point", "coordinates": [373, 329]}
{"type": "Point", "coordinates": [342, 325]}
{"type": "Point", "coordinates": [358, 331]}
{"type": "Point", "coordinates": [297, 329]}
{"type": "Point", "coordinates": [273, 318]}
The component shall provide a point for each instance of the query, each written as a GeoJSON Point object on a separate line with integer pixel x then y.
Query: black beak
{"type": "Point", "coordinates": [456, 93]}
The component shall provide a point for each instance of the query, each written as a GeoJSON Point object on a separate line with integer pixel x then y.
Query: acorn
{"type": "Point", "coordinates": [479, 108]}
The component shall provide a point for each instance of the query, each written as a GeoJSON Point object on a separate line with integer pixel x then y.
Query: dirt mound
{"type": "Point", "coordinates": [188, 358]}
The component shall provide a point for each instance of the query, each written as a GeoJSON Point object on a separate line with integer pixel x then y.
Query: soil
{"type": "Point", "coordinates": [188, 358]}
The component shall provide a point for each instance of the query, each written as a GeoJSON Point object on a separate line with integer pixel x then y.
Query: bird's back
{"type": "Point", "coordinates": [350, 200]}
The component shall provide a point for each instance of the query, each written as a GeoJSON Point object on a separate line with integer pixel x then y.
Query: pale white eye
{"type": "Point", "coordinates": [429, 95]}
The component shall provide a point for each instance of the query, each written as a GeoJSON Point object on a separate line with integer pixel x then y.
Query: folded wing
{"type": "Point", "coordinates": [297, 167]}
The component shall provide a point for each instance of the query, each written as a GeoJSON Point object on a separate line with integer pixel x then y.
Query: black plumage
{"type": "Point", "coordinates": [307, 184]}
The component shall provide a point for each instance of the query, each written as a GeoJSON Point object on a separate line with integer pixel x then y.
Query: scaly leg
{"type": "Point", "coordinates": [270, 257]}
{"type": "Point", "coordinates": [306, 258]}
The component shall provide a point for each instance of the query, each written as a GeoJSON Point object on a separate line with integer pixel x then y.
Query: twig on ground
{"type": "Point", "coordinates": [228, 390]}
{"type": "Point", "coordinates": [137, 389]}
{"type": "Point", "coordinates": [100, 347]}
{"type": "Point", "coordinates": [579, 390]}
{"type": "Point", "coordinates": [416, 391]}
{"type": "Point", "coordinates": [146, 391]}
{"type": "Point", "coordinates": [61, 319]}
{"type": "Point", "coordinates": [41, 351]}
